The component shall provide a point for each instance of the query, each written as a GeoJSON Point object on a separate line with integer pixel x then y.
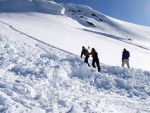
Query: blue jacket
{"type": "Point", "coordinates": [125, 54]}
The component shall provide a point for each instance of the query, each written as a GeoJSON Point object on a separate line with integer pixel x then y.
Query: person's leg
{"type": "Point", "coordinates": [98, 65]}
{"type": "Point", "coordinates": [93, 63]}
{"type": "Point", "coordinates": [123, 63]}
{"type": "Point", "coordinates": [86, 60]}
{"type": "Point", "coordinates": [127, 62]}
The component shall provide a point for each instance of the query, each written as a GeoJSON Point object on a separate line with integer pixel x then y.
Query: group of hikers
{"type": "Point", "coordinates": [95, 59]}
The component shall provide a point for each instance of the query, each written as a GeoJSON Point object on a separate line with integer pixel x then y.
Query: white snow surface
{"type": "Point", "coordinates": [40, 66]}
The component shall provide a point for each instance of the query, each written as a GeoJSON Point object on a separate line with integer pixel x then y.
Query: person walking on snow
{"type": "Point", "coordinates": [125, 58]}
{"type": "Point", "coordinates": [95, 59]}
{"type": "Point", "coordinates": [85, 53]}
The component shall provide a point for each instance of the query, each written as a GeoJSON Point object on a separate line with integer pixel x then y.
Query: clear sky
{"type": "Point", "coordinates": [134, 11]}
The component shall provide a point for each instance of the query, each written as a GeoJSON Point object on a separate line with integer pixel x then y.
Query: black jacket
{"type": "Point", "coordinates": [84, 52]}
{"type": "Point", "coordinates": [125, 54]}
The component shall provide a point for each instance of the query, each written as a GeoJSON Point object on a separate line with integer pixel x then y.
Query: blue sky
{"type": "Point", "coordinates": [134, 11]}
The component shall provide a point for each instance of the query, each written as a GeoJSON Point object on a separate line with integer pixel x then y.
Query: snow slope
{"type": "Point", "coordinates": [40, 67]}
{"type": "Point", "coordinates": [109, 37]}
{"type": "Point", "coordinates": [36, 77]}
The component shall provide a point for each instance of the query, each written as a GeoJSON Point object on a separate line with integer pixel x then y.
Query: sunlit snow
{"type": "Point", "coordinates": [40, 66]}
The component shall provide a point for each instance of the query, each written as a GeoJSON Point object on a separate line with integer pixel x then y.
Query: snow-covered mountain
{"type": "Point", "coordinates": [41, 69]}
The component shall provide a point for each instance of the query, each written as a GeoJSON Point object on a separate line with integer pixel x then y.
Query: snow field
{"type": "Point", "coordinates": [69, 35]}
{"type": "Point", "coordinates": [49, 80]}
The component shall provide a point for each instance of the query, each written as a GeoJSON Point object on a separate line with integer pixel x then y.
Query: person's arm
{"type": "Point", "coordinates": [122, 56]}
{"type": "Point", "coordinates": [129, 54]}
{"type": "Point", "coordinates": [90, 53]}
{"type": "Point", "coordinates": [81, 53]}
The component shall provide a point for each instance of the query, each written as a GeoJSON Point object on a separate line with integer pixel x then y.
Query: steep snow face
{"type": "Point", "coordinates": [42, 6]}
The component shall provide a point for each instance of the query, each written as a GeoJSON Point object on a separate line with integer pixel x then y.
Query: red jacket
{"type": "Point", "coordinates": [91, 53]}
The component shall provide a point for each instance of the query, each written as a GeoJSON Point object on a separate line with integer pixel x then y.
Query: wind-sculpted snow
{"type": "Point", "coordinates": [39, 78]}
{"type": "Point", "coordinates": [41, 6]}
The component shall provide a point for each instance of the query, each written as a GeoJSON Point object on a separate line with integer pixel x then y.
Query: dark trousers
{"type": "Point", "coordinates": [86, 60]}
{"type": "Point", "coordinates": [97, 63]}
